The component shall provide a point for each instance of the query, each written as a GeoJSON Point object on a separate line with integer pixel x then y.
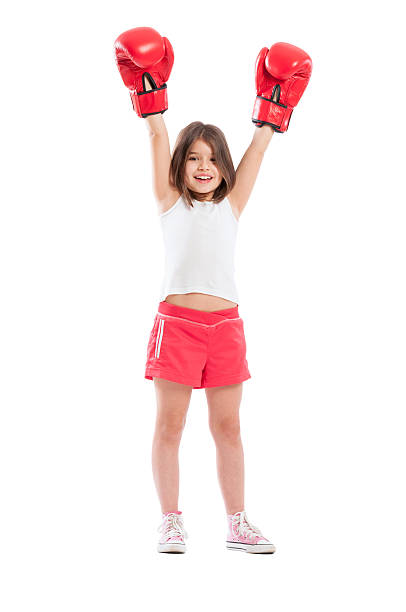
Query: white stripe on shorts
{"type": "Point", "coordinates": [159, 338]}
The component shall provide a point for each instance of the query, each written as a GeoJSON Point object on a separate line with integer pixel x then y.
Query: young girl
{"type": "Point", "coordinates": [197, 340]}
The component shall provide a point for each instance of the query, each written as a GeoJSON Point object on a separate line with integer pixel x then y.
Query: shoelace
{"type": "Point", "coordinates": [172, 527]}
{"type": "Point", "coordinates": [245, 527]}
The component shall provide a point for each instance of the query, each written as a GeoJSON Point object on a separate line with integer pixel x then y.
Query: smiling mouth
{"type": "Point", "coordinates": [203, 180]}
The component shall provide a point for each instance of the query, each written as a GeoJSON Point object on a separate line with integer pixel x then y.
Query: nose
{"type": "Point", "coordinates": [203, 165]}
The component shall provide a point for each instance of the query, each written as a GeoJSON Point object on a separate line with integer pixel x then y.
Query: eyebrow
{"type": "Point", "coordinates": [195, 153]}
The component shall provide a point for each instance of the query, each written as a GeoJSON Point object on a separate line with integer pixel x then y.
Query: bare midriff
{"type": "Point", "coordinates": [199, 301]}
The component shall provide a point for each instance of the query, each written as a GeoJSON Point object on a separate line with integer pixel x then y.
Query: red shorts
{"type": "Point", "coordinates": [197, 348]}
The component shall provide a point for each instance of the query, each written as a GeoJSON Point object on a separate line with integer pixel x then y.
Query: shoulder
{"type": "Point", "coordinates": [167, 203]}
{"type": "Point", "coordinates": [233, 205]}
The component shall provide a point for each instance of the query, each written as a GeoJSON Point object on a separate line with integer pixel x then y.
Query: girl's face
{"type": "Point", "coordinates": [202, 163]}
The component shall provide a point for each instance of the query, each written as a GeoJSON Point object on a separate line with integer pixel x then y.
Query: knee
{"type": "Point", "coordinates": [170, 430]}
{"type": "Point", "coordinates": [226, 430]}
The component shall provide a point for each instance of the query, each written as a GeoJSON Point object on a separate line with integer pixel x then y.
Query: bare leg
{"type": "Point", "coordinates": [224, 421]}
{"type": "Point", "coordinates": [173, 401]}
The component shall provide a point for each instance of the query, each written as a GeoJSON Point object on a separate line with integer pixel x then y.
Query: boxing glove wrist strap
{"type": "Point", "coordinates": [273, 113]}
{"type": "Point", "coordinates": [150, 102]}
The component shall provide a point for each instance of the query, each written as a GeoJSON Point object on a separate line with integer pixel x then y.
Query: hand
{"type": "Point", "coordinates": [282, 75]}
{"type": "Point", "coordinates": [145, 61]}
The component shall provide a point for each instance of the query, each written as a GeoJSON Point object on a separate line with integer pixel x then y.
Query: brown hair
{"type": "Point", "coordinates": [214, 137]}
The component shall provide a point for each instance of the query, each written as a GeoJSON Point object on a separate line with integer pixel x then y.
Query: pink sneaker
{"type": "Point", "coordinates": [243, 535]}
{"type": "Point", "coordinates": [173, 533]}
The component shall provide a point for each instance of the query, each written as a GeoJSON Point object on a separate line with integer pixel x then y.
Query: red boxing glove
{"type": "Point", "coordinates": [143, 55]}
{"type": "Point", "coordinates": [282, 75]}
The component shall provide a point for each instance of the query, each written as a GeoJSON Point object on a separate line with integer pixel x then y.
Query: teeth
{"type": "Point", "coordinates": [207, 178]}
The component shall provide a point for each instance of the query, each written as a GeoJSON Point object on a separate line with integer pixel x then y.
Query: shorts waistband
{"type": "Point", "coordinates": [199, 316]}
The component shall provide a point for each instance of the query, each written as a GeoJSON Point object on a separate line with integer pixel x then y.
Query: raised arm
{"type": "Point", "coordinates": [145, 59]}
{"type": "Point", "coordinates": [249, 166]}
{"type": "Point", "coordinates": [161, 159]}
{"type": "Point", "coordinates": [282, 75]}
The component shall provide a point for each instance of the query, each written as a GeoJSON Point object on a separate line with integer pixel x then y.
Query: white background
{"type": "Point", "coordinates": [321, 275]}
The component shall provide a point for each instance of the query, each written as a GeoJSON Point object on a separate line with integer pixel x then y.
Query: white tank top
{"type": "Point", "coordinates": [199, 249]}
